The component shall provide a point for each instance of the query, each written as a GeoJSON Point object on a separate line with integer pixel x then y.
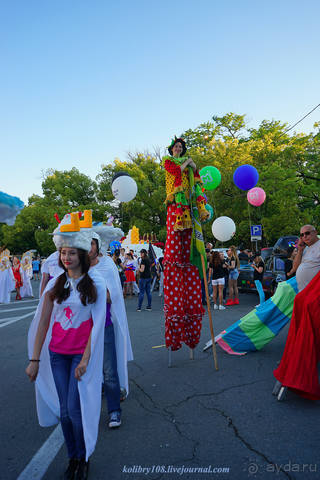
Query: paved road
{"type": "Point", "coordinates": [186, 416]}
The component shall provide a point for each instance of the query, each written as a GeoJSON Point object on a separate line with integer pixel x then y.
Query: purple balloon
{"type": "Point", "coordinates": [246, 177]}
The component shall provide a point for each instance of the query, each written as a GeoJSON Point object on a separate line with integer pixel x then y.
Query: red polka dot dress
{"type": "Point", "coordinates": [182, 289]}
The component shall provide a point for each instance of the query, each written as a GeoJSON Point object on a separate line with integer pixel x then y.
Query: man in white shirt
{"type": "Point", "coordinates": [298, 368]}
{"type": "Point", "coordinates": [307, 261]}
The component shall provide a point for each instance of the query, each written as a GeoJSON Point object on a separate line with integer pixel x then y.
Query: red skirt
{"type": "Point", "coordinates": [298, 367]}
{"type": "Point", "coordinates": [182, 289]}
{"type": "Point", "coordinates": [17, 277]}
{"type": "Point", "coordinates": [130, 277]}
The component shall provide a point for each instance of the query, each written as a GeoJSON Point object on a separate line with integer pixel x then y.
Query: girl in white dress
{"type": "Point", "coordinates": [26, 289]}
{"type": "Point", "coordinates": [66, 348]}
{"type": "Point", "coordinates": [7, 281]}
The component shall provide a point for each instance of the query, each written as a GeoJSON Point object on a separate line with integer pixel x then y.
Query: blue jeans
{"type": "Point", "coordinates": [258, 285]}
{"type": "Point", "coordinates": [234, 274]}
{"type": "Point", "coordinates": [144, 286]}
{"type": "Point", "coordinates": [203, 288]}
{"type": "Point", "coordinates": [226, 280]}
{"type": "Point", "coordinates": [110, 371]}
{"type": "Point", "coordinates": [210, 289]}
{"type": "Point", "coordinates": [63, 367]}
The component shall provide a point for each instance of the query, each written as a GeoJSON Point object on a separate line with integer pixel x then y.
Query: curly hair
{"type": "Point", "coordinates": [183, 143]}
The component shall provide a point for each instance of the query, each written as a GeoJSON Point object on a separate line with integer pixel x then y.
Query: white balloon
{"type": "Point", "coordinates": [223, 228]}
{"type": "Point", "coordinates": [124, 188]}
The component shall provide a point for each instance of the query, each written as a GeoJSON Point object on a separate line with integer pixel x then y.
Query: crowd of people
{"type": "Point", "coordinates": [80, 333]}
{"type": "Point", "coordinates": [223, 272]}
{"type": "Point", "coordinates": [16, 274]}
{"type": "Point", "coordinates": [82, 294]}
{"type": "Point", "coordinates": [79, 338]}
{"type": "Point", "coordinates": [139, 275]}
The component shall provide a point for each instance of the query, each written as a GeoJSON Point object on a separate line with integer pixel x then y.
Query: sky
{"type": "Point", "coordinates": [84, 82]}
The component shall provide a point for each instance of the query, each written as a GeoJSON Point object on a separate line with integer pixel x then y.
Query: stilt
{"type": "Point", "coordinates": [282, 393]}
{"type": "Point", "coordinates": [214, 351]}
{"type": "Point", "coordinates": [276, 388]}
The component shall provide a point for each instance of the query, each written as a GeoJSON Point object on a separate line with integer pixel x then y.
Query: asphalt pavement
{"type": "Point", "coordinates": [188, 421]}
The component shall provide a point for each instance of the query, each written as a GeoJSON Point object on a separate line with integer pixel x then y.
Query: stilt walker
{"type": "Point", "coordinates": [182, 285]}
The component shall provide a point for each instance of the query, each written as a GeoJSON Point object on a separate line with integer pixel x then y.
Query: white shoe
{"type": "Point", "coordinates": [215, 307]}
{"type": "Point", "coordinates": [114, 419]}
{"type": "Point", "coordinates": [257, 305]}
{"type": "Point", "coordinates": [221, 307]}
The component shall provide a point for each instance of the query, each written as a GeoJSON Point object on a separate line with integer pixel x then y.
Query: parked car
{"type": "Point", "coordinates": [283, 243]}
{"type": "Point", "coordinates": [266, 253]}
{"type": "Point", "coordinates": [245, 280]}
{"type": "Point", "coordinates": [273, 274]}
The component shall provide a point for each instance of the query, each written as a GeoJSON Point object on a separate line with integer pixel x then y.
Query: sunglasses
{"type": "Point", "coordinates": [305, 234]}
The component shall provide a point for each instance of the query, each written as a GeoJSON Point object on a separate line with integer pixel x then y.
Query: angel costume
{"type": "Point", "coordinates": [26, 289]}
{"type": "Point", "coordinates": [59, 394]}
{"type": "Point", "coordinates": [70, 327]}
{"type": "Point", "coordinates": [7, 281]}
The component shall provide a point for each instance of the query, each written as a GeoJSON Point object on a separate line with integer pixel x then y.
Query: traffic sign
{"type": "Point", "coordinates": [256, 231]}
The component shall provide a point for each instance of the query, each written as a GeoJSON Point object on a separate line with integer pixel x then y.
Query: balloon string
{"type": "Point", "coordinates": [214, 207]}
{"type": "Point", "coordinates": [249, 217]}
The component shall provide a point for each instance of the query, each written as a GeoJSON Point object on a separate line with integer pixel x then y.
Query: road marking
{"type": "Point", "coordinates": [39, 464]}
{"type": "Point", "coordinates": [15, 319]}
{"type": "Point", "coordinates": [16, 302]}
{"type": "Point", "coordinates": [17, 309]}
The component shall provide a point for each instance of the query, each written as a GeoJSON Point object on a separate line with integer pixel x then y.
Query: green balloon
{"type": "Point", "coordinates": [211, 177]}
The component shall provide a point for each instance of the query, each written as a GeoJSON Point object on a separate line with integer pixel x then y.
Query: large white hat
{"type": "Point", "coordinates": [70, 234]}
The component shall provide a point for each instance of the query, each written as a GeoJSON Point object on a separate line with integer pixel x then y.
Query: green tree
{"type": "Point", "coordinates": [146, 211]}
{"type": "Point", "coordinates": [69, 187]}
{"type": "Point", "coordinates": [64, 191]}
{"type": "Point", "coordinates": [288, 169]}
